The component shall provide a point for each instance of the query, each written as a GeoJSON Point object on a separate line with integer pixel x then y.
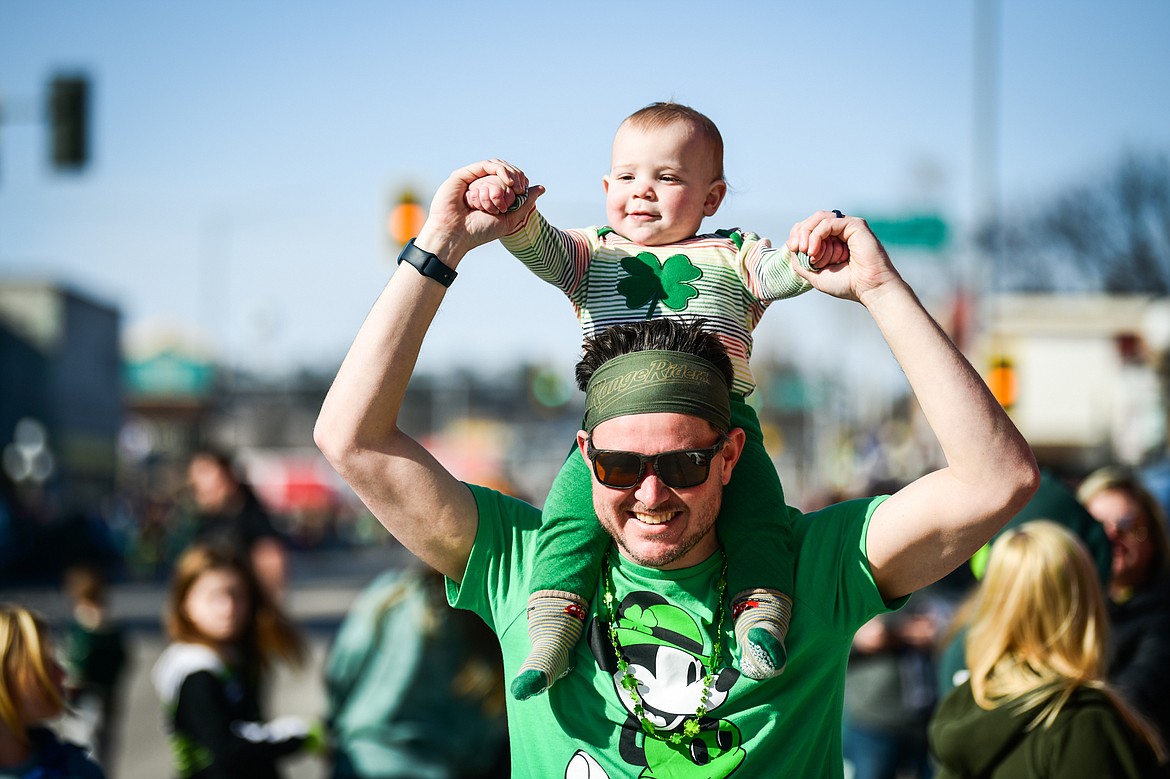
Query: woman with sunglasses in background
{"type": "Point", "coordinates": [1139, 589]}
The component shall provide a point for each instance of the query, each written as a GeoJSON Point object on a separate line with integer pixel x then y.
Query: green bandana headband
{"type": "Point", "coordinates": [654, 381]}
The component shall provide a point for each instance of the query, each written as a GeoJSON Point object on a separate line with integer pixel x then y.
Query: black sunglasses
{"type": "Point", "coordinates": [678, 469]}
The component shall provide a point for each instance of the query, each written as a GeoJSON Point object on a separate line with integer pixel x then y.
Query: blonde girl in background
{"type": "Point", "coordinates": [1036, 704]}
{"type": "Point", "coordinates": [31, 694]}
{"type": "Point", "coordinates": [225, 634]}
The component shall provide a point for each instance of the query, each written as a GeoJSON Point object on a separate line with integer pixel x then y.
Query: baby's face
{"type": "Point", "coordinates": [661, 184]}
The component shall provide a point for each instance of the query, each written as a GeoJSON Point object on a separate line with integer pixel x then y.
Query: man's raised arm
{"type": "Point", "coordinates": [931, 526]}
{"type": "Point", "coordinates": [410, 493]}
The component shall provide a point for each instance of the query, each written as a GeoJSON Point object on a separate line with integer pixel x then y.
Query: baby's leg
{"type": "Point", "coordinates": [757, 537]}
{"type": "Point", "coordinates": [569, 550]}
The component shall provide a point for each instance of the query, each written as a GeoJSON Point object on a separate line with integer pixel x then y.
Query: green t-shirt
{"type": "Point", "coordinates": [582, 727]}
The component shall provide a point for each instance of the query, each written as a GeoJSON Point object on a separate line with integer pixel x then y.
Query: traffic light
{"type": "Point", "coordinates": [69, 107]}
{"type": "Point", "coordinates": [406, 218]}
{"type": "Point", "coordinates": [1001, 380]}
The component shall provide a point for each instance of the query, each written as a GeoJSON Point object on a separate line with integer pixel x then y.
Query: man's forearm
{"type": "Point", "coordinates": [967, 420]}
{"type": "Point", "coordinates": [417, 500]}
{"type": "Point", "coordinates": [362, 405]}
{"type": "Point", "coordinates": [933, 525]}
{"type": "Point", "coordinates": [421, 504]}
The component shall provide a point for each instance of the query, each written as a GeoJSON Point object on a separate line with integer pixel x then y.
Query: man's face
{"type": "Point", "coordinates": [1128, 529]}
{"type": "Point", "coordinates": [653, 524]}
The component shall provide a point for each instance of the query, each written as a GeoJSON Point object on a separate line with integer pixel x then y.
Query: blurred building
{"type": "Point", "coordinates": [1082, 376]}
{"type": "Point", "coordinates": [170, 389]}
{"type": "Point", "coordinates": [60, 392]}
{"type": "Point", "coordinates": [1085, 378]}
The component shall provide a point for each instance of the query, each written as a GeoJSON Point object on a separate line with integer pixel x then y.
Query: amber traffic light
{"type": "Point", "coordinates": [1002, 381]}
{"type": "Point", "coordinates": [406, 218]}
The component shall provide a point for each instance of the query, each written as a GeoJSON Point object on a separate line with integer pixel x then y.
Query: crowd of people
{"type": "Point", "coordinates": [411, 688]}
{"type": "Point", "coordinates": [1057, 658]}
{"type": "Point", "coordinates": [668, 613]}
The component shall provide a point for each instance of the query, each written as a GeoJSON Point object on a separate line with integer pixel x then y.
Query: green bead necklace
{"type": "Point", "coordinates": [630, 682]}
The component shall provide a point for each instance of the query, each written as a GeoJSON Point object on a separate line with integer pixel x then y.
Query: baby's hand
{"type": "Point", "coordinates": [492, 195]}
{"type": "Point", "coordinates": [833, 251]}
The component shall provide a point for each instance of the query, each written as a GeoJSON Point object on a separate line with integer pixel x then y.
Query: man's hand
{"type": "Point", "coordinates": [453, 227]}
{"type": "Point", "coordinates": [848, 260]}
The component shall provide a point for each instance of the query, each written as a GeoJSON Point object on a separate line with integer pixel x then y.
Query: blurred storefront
{"type": "Point", "coordinates": [1082, 376]}
{"type": "Point", "coordinates": [60, 393]}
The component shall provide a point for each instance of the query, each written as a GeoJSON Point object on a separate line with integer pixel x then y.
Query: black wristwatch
{"type": "Point", "coordinates": [427, 264]}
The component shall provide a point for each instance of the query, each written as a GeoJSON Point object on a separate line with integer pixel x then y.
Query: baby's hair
{"type": "Point", "coordinates": [663, 114]}
{"type": "Point", "coordinates": [25, 659]}
{"type": "Point", "coordinates": [268, 633]}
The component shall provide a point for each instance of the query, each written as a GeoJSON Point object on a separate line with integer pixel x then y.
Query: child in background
{"type": "Point", "coordinates": [95, 659]}
{"type": "Point", "coordinates": [30, 694]}
{"type": "Point", "coordinates": [225, 633]}
{"type": "Point", "coordinates": [666, 175]}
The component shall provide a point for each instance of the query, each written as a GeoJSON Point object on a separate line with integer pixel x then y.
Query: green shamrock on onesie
{"type": "Point", "coordinates": [650, 283]}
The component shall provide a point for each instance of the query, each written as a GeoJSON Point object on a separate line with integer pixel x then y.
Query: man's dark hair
{"type": "Point", "coordinates": [669, 334]}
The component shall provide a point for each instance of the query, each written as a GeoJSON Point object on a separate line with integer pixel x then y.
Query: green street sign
{"type": "Point", "coordinates": [926, 231]}
{"type": "Point", "coordinates": [169, 375]}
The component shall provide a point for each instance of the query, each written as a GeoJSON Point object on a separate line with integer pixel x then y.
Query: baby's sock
{"type": "Point", "coordinates": [555, 622]}
{"type": "Point", "coordinates": [761, 624]}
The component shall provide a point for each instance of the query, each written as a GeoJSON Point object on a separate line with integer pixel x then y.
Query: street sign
{"type": "Point", "coordinates": [169, 374]}
{"type": "Point", "coordinates": [926, 231]}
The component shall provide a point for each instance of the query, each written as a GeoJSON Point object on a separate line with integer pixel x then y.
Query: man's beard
{"type": "Point", "coordinates": [663, 560]}
{"type": "Point", "coordinates": [671, 554]}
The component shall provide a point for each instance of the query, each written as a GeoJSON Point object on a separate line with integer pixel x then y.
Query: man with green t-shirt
{"type": "Point", "coordinates": [655, 691]}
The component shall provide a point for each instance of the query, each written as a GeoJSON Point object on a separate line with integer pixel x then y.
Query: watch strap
{"type": "Point", "coordinates": [427, 264]}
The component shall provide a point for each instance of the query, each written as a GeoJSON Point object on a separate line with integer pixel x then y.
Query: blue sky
{"type": "Point", "coordinates": [245, 154]}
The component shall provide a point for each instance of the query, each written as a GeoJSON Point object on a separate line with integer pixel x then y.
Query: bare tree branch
{"type": "Point", "coordinates": [1108, 235]}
